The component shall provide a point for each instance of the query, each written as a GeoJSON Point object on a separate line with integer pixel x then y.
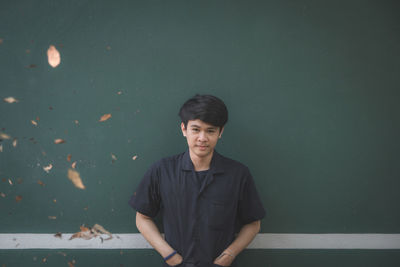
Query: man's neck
{"type": "Point", "coordinates": [201, 163]}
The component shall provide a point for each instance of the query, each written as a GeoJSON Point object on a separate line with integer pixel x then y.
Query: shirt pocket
{"type": "Point", "coordinates": [221, 212]}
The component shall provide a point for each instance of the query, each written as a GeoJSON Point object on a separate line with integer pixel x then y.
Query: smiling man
{"type": "Point", "coordinates": [211, 208]}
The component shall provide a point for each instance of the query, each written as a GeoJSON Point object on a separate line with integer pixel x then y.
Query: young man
{"type": "Point", "coordinates": [206, 198]}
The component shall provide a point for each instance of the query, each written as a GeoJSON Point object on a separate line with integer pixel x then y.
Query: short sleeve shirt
{"type": "Point", "coordinates": [200, 216]}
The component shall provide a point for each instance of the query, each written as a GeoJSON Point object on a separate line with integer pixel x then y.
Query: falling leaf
{"type": "Point", "coordinates": [10, 100]}
{"type": "Point", "coordinates": [41, 183]}
{"type": "Point", "coordinates": [1, 148]}
{"type": "Point", "coordinates": [70, 264]}
{"type": "Point", "coordinates": [120, 92]}
{"type": "Point", "coordinates": [10, 182]}
{"type": "Point", "coordinates": [59, 141]}
{"type": "Point", "coordinates": [48, 168]}
{"type": "Point", "coordinates": [69, 157]}
{"type": "Point", "coordinates": [4, 136]}
{"type": "Point", "coordinates": [76, 122]}
{"type": "Point", "coordinates": [2, 194]}
{"type": "Point", "coordinates": [55, 200]}
{"type": "Point", "coordinates": [15, 142]}
{"type": "Point", "coordinates": [53, 56]}
{"type": "Point", "coordinates": [134, 157]}
{"type": "Point", "coordinates": [52, 217]}
{"type": "Point", "coordinates": [44, 259]}
{"type": "Point", "coordinates": [34, 122]}
{"type": "Point", "coordinates": [113, 157]}
{"type": "Point", "coordinates": [75, 178]}
{"type": "Point", "coordinates": [105, 117]}
{"type": "Point", "coordinates": [73, 165]}
{"type": "Point", "coordinates": [18, 198]}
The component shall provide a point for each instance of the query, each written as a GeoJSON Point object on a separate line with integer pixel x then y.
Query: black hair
{"type": "Point", "coordinates": [207, 108]}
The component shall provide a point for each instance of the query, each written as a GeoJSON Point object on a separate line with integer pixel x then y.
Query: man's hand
{"type": "Point", "coordinates": [225, 259]}
{"type": "Point", "coordinates": [175, 260]}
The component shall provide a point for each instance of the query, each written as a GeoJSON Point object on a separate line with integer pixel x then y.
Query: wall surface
{"type": "Point", "coordinates": [313, 93]}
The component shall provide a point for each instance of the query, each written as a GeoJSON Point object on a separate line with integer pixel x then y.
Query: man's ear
{"type": "Point", "coordinates": [183, 129]}
{"type": "Point", "coordinates": [220, 133]}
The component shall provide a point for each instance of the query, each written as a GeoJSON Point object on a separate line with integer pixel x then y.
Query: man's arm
{"type": "Point", "coordinates": [151, 233]}
{"type": "Point", "coordinates": [243, 239]}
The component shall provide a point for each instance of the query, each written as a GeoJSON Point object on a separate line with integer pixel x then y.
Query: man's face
{"type": "Point", "coordinates": [201, 137]}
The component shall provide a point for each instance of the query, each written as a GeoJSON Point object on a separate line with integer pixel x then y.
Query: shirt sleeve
{"type": "Point", "coordinates": [250, 206]}
{"type": "Point", "coordinates": [146, 199]}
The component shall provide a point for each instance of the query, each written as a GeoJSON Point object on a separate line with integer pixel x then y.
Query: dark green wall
{"type": "Point", "coordinates": [312, 88]}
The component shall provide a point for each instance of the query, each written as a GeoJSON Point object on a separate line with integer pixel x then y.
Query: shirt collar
{"type": "Point", "coordinates": [216, 165]}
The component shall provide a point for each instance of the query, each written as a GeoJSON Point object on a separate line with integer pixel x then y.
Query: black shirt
{"type": "Point", "coordinates": [200, 220]}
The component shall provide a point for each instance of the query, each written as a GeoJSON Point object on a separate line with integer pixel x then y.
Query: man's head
{"type": "Point", "coordinates": [203, 119]}
{"type": "Point", "coordinates": [206, 108]}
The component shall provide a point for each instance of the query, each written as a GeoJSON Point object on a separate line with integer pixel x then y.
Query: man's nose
{"type": "Point", "coordinates": [202, 136]}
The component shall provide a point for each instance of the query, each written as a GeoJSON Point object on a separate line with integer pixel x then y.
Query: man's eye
{"type": "Point", "coordinates": [195, 130]}
{"type": "Point", "coordinates": [211, 131]}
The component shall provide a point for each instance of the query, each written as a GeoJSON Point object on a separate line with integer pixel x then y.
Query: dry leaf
{"type": "Point", "coordinates": [15, 142]}
{"type": "Point", "coordinates": [10, 182]}
{"type": "Point", "coordinates": [100, 230]}
{"type": "Point", "coordinates": [1, 148]}
{"type": "Point", "coordinates": [105, 117]}
{"type": "Point", "coordinates": [18, 198]}
{"type": "Point", "coordinates": [2, 194]}
{"type": "Point", "coordinates": [55, 200]}
{"type": "Point", "coordinates": [75, 178]}
{"type": "Point", "coordinates": [58, 234]}
{"type": "Point", "coordinates": [70, 264]}
{"type": "Point", "coordinates": [44, 259]}
{"type": "Point", "coordinates": [34, 122]}
{"type": "Point", "coordinates": [76, 122]}
{"type": "Point", "coordinates": [48, 168]}
{"type": "Point", "coordinates": [89, 233]}
{"type": "Point", "coordinates": [59, 141]}
{"type": "Point", "coordinates": [4, 136]}
{"type": "Point", "coordinates": [69, 157]}
{"type": "Point", "coordinates": [73, 165]}
{"type": "Point", "coordinates": [53, 56]}
{"type": "Point", "coordinates": [113, 157]}
{"type": "Point", "coordinates": [52, 217]}
{"type": "Point", "coordinates": [10, 100]}
{"type": "Point", "coordinates": [120, 92]}
{"type": "Point", "coordinates": [41, 183]}
{"type": "Point", "coordinates": [134, 157]}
